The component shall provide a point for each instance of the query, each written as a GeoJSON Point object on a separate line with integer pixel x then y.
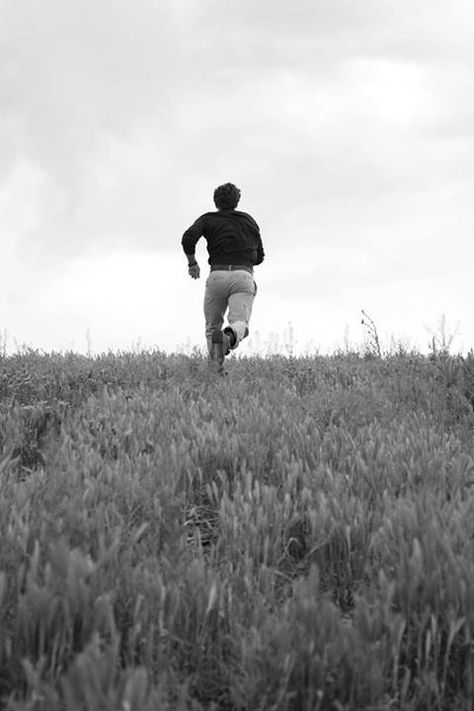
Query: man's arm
{"type": "Point", "coordinates": [192, 235]}
{"type": "Point", "coordinates": [189, 241]}
{"type": "Point", "coordinates": [260, 250]}
{"type": "Point", "coordinates": [258, 245]}
{"type": "Point", "coordinates": [193, 267]}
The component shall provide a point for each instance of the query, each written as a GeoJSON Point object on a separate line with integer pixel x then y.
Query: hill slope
{"type": "Point", "coordinates": [297, 535]}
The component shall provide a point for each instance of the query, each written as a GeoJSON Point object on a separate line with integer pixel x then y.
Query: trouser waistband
{"type": "Point", "coordinates": [231, 267]}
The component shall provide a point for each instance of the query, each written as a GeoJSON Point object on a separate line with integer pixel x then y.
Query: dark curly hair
{"type": "Point", "coordinates": [226, 197]}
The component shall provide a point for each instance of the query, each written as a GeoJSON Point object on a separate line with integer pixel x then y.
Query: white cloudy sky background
{"type": "Point", "coordinates": [348, 125]}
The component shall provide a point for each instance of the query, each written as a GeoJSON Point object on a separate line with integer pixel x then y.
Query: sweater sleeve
{"type": "Point", "coordinates": [260, 250]}
{"type": "Point", "coordinates": [192, 235]}
{"type": "Point", "coordinates": [257, 244]}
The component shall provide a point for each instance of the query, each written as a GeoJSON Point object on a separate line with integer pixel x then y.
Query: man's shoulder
{"type": "Point", "coordinates": [204, 216]}
{"type": "Point", "coordinates": [222, 215]}
{"type": "Point", "coordinates": [228, 216]}
{"type": "Point", "coordinates": [247, 218]}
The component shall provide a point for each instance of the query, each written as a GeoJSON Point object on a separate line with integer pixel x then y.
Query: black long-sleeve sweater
{"type": "Point", "coordinates": [232, 237]}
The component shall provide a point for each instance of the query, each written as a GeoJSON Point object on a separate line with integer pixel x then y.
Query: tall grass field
{"type": "Point", "coordinates": [295, 536]}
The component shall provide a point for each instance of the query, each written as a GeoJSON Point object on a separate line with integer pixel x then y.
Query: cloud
{"type": "Point", "coordinates": [75, 71]}
{"type": "Point", "coordinates": [348, 125]}
{"type": "Point", "coordinates": [77, 79]}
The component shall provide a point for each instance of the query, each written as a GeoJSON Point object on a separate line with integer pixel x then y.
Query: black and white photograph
{"type": "Point", "coordinates": [236, 355]}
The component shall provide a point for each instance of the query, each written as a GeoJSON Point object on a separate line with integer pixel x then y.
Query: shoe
{"type": "Point", "coordinates": [217, 350]}
{"type": "Point", "coordinates": [230, 339]}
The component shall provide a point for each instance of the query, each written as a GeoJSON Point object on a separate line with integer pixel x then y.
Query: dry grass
{"type": "Point", "coordinates": [295, 536]}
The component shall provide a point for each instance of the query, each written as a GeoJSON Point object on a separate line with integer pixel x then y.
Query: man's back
{"type": "Point", "coordinates": [232, 236]}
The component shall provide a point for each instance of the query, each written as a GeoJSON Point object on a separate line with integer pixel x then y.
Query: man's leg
{"type": "Point", "coordinates": [241, 298]}
{"type": "Point", "coordinates": [215, 304]}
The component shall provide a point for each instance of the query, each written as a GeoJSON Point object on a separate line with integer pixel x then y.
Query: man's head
{"type": "Point", "coordinates": [226, 197]}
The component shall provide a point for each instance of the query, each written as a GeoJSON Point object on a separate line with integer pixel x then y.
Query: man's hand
{"type": "Point", "coordinates": [194, 271]}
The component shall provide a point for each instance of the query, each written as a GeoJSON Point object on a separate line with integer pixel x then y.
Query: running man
{"type": "Point", "coordinates": [235, 247]}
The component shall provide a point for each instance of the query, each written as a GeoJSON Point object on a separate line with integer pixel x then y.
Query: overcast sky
{"type": "Point", "coordinates": [347, 124]}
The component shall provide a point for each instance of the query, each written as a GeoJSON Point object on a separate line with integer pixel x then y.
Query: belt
{"type": "Point", "coordinates": [231, 267]}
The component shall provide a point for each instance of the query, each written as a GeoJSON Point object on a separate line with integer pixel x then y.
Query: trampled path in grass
{"type": "Point", "coordinates": [296, 535]}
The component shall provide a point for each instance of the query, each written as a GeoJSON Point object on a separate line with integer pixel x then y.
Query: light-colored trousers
{"type": "Point", "coordinates": [234, 290]}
